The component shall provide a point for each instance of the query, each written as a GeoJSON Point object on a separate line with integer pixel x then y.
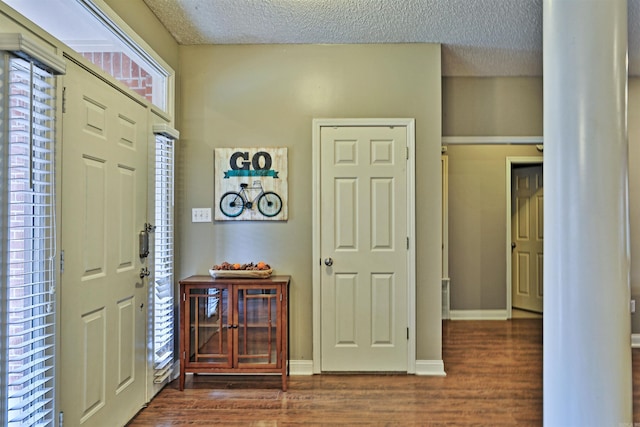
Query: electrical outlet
{"type": "Point", "coordinates": [633, 306]}
{"type": "Point", "coordinates": [201, 215]}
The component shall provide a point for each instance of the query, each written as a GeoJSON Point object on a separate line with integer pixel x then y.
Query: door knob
{"type": "Point", "coordinates": [328, 262]}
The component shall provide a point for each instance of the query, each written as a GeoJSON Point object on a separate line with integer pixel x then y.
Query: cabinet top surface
{"type": "Point", "coordinates": [205, 279]}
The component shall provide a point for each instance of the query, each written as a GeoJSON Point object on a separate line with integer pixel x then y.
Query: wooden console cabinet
{"type": "Point", "coordinates": [230, 325]}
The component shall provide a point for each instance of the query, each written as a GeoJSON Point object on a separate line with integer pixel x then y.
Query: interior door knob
{"type": "Point", "coordinates": [328, 262]}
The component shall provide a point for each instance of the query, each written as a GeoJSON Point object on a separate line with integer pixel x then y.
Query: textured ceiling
{"type": "Point", "coordinates": [479, 37]}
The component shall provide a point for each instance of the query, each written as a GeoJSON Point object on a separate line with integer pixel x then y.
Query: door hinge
{"type": "Point", "coordinates": [407, 152]}
{"type": "Point", "coordinates": [64, 99]}
{"type": "Point", "coordinates": [60, 419]}
{"type": "Point", "coordinates": [61, 262]}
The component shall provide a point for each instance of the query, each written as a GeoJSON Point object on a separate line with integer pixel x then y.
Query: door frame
{"type": "Point", "coordinates": [409, 125]}
{"type": "Point", "coordinates": [510, 162]}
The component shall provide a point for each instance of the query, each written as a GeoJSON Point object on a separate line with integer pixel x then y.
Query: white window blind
{"type": "Point", "coordinates": [163, 309]}
{"type": "Point", "coordinates": [28, 243]}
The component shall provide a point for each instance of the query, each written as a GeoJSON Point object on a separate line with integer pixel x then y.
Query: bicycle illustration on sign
{"type": "Point", "coordinates": [233, 203]}
{"type": "Point", "coordinates": [250, 184]}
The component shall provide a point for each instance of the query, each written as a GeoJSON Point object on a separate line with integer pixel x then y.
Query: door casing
{"type": "Point", "coordinates": [510, 161]}
{"type": "Point", "coordinates": [409, 125]}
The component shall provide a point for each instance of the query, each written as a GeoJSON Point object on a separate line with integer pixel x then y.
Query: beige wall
{"type": "Point", "coordinates": [267, 95]}
{"type": "Point", "coordinates": [492, 106]}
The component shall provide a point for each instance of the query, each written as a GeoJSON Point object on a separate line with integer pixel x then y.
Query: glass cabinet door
{"type": "Point", "coordinates": [209, 320]}
{"type": "Point", "coordinates": [257, 327]}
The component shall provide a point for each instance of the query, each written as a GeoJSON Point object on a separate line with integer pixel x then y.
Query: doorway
{"type": "Point", "coordinates": [524, 248]}
{"type": "Point", "coordinates": [363, 228]}
{"type": "Point", "coordinates": [103, 317]}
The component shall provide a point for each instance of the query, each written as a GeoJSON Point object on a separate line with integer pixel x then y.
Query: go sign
{"type": "Point", "coordinates": [254, 170]}
{"type": "Point", "coordinates": [258, 165]}
{"type": "Point", "coordinates": [237, 164]}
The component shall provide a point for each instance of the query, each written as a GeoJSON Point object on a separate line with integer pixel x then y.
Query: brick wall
{"type": "Point", "coordinates": [125, 70]}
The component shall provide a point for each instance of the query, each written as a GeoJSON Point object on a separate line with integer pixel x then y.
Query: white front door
{"type": "Point", "coordinates": [103, 299]}
{"type": "Point", "coordinates": [364, 278]}
{"type": "Point", "coordinates": [527, 237]}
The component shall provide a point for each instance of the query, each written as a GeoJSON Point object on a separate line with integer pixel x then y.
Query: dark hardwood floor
{"type": "Point", "coordinates": [494, 378]}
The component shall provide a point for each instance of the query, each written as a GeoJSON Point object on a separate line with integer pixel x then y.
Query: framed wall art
{"type": "Point", "coordinates": [250, 184]}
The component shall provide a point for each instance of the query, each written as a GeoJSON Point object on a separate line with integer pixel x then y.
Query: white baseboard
{"type": "Point", "coordinates": [478, 314]}
{"type": "Point", "coordinates": [423, 367]}
{"type": "Point", "coordinates": [300, 367]}
{"type": "Point", "coordinates": [430, 367]}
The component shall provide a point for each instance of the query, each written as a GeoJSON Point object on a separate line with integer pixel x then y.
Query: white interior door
{"type": "Point", "coordinates": [103, 299]}
{"type": "Point", "coordinates": [363, 242]}
{"type": "Point", "coordinates": [527, 237]}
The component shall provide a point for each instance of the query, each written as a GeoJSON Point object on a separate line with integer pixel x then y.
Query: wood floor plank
{"type": "Point", "coordinates": [494, 378]}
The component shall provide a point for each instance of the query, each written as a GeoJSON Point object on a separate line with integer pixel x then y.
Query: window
{"type": "Point", "coordinates": [163, 301]}
{"type": "Point", "coordinates": [104, 42]}
{"type": "Point", "coordinates": [28, 245]}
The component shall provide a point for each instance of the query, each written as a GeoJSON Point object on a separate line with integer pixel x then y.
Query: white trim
{"type": "Point", "coordinates": [509, 162]}
{"type": "Point", "coordinates": [444, 162]}
{"type": "Point", "coordinates": [315, 250]}
{"type": "Point", "coordinates": [409, 124]}
{"type": "Point", "coordinates": [24, 46]}
{"type": "Point", "coordinates": [119, 27]}
{"type": "Point", "coordinates": [430, 367]}
{"type": "Point", "coordinates": [301, 367]}
{"type": "Point", "coordinates": [165, 130]}
{"type": "Point", "coordinates": [491, 140]}
{"type": "Point", "coordinates": [478, 315]}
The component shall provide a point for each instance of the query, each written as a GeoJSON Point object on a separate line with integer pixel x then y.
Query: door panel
{"type": "Point", "coordinates": [93, 197]}
{"type": "Point", "coordinates": [104, 194]}
{"type": "Point", "coordinates": [346, 304]}
{"type": "Point", "coordinates": [527, 237]}
{"type": "Point", "coordinates": [126, 209]}
{"type": "Point", "coordinates": [93, 352]}
{"type": "Point", "coordinates": [383, 293]}
{"type": "Point", "coordinates": [364, 231]}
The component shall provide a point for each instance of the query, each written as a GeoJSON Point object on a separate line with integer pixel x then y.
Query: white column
{"type": "Point", "coordinates": [587, 332]}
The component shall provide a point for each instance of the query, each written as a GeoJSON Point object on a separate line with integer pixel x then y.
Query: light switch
{"type": "Point", "coordinates": [201, 215]}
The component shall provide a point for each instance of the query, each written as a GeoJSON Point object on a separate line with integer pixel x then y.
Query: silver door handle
{"type": "Point", "coordinates": [328, 262]}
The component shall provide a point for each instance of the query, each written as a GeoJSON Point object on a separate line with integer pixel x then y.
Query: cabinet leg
{"type": "Point", "coordinates": [283, 359]}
